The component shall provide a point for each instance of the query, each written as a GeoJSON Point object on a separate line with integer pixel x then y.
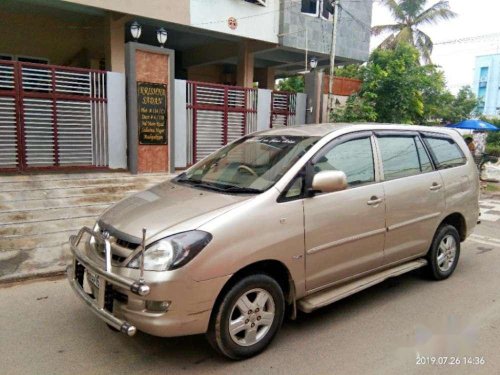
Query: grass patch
{"type": "Point", "coordinates": [493, 188]}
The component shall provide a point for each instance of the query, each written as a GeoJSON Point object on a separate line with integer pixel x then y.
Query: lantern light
{"type": "Point", "coordinates": [135, 30]}
{"type": "Point", "coordinates": [313, 63]}
{"type": "Point", "coordinates": [161, 35]}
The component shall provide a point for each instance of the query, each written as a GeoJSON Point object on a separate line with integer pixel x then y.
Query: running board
{"type": "Point", "coordinates": [333, 294]}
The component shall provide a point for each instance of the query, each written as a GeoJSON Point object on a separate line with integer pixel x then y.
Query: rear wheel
{"type": "Point", "coordinates": [248, 317]}
{"type": "Point", "coordinates": [444, 253]}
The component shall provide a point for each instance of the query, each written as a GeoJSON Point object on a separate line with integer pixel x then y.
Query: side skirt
{"type": "Point", "coordinates": [333, 294]}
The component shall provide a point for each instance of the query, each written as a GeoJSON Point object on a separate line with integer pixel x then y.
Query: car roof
{"type": "Point", "coordinates": [321, 130]}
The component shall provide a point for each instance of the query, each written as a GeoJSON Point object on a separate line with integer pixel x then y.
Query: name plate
{"type": "Point", "coordinates": [152, 113]}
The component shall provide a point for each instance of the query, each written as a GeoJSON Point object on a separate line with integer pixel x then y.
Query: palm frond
{"type": "Point", "coordinates": [424, 44]}
{"type": "Point", "coordinates": [412, 8]}
{"type": "Point", "coordinates": [382, 29]}
{"type": "Point", "coordinates": [395, 9]}
{"type": "Point", "coordinates": [439, 11]}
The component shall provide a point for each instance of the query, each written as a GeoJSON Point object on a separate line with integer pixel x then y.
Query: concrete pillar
{"type": "Point", "coordinates": [245, 66]}
{"type": "Point", "coordinates": [115, 43]}
{"type": "Point", "coordinates": [265, 77]}
{"type": "Point", "coordinates": [314, 91]}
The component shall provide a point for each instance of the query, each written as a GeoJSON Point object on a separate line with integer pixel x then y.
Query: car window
{"type": "Point", "coordinates": [446, 152]}
{"type": "Point", "coordinates": [399, 157]}
{"type": "Point", "coordinates": [425, 161]}
{"type": "Point", "coordinates": [354, 158]}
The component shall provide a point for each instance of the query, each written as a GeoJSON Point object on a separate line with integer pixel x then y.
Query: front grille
{"type": "Point", "coordinates": [117, 255]}
{"type": "Point", "coordinates": [126, 244]}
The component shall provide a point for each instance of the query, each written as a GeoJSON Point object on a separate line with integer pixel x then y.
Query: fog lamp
{"type": "Point", "coordinates": [157, 306]}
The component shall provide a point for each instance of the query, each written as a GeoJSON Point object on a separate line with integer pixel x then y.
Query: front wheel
{"type": "Point", "coordinates": [248, 317]}
{"type": "Point", "coordinates": [444, 252]}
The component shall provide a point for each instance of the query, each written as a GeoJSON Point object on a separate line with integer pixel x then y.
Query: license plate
{"type": "Point", "coordinates": [93, 279]}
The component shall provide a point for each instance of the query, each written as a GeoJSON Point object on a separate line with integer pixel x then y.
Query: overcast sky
{"type": "Point", "coordinates": [476, 17]}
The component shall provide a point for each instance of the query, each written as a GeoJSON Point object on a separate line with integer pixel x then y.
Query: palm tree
{"type": "Point", "coordinates": [409, 16]}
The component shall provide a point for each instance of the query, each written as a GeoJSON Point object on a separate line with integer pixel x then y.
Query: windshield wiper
{"type": "Point", "coordinates": [239, 189]}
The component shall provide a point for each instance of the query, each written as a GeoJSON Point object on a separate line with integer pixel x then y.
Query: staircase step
{"type": "Point", "coordinates": [76, 202]}
{"type": "Point", "coordinates": [42, 215]}
{"type": "Point", "coordinates": [50, 226]}
{"type": "Point", "coordinates": [333, 294]}
{"type": "Point", "coordinates": [38, 213]}
{"type": "Point", "coordinates": [75, 191]}
{"type": "Point", "coordinates": [39, 240]}
{"type": "Point", "coordinates": [17, 264]}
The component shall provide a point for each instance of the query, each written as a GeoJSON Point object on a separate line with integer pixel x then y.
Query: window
{"type": "Point", "coordinates": [400, 157]}
{"type": "Point", "coordinates": [447, 154]}
{"type": "Point", "coordinates": [425, 161]}
{"type": "Point", "coordinates": [354, 158]}
{"type": "Point", "coordinates": [316, 8]}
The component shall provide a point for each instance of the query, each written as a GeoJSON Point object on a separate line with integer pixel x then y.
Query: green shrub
{"type": "Point", "coordinates": [493, 149]}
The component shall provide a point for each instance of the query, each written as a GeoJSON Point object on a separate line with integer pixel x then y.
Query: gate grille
{"type": "Point", "coordinates": [217, 115]}
{"type": "Point", "coordinates": [52, 117]}
{"type": "Point", "coordinates": [283, 108]}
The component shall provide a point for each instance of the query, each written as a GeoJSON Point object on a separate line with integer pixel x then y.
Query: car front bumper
{"type": "Point", "coordinates": [190, 302]}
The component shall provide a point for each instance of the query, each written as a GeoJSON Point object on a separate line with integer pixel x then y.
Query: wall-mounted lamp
{"type": "Point", "coordinates": [313, 63]}
{"type": "Point", "coordinates": [135, 30]}
{"type": "Point", "coordinates": [161, 35]}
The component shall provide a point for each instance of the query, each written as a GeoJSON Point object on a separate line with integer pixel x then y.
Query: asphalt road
{"type": "Point", "coordinates": [383, 330]}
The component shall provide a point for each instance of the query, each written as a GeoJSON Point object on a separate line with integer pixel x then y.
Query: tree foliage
{"type": "Point", "coordinates": [397, 89]}
{"type": "Point", "coordinates": [291, 84]}
{"type": "Point", "coordinates": [410, 16]}
{"type": "Point", "coordinates": [350, 71]}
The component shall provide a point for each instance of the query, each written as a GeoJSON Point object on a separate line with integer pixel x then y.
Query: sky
{"type": "Point", "coordinates": [478, 17]}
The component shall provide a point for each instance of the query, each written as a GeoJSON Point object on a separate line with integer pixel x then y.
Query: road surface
{"type": "Point", "coordinates": [386, 329]}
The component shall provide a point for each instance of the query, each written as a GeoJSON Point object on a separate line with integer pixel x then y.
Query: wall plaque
{"type": "Point", "coordinates": [152, 113]}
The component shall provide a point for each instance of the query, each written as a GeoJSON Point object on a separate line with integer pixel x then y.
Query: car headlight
{"type": "Point", "coordinates": [172, 252]}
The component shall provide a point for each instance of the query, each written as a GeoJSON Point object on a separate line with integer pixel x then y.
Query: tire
{"type": "Point", "coordinates": [444, 252]}
{"type": "Point", "coordinates": [255, 328]}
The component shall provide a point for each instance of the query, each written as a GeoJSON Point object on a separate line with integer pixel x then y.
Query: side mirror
{"type": "Point", "coordinates": [329, 181]}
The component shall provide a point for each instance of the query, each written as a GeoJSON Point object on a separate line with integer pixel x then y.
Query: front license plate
{"type": "Point", "coordinates": [93, 279]}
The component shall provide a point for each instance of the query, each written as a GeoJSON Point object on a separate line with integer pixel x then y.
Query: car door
{"type": "Point", "coordinates": [344, 230]}
{"type": "Point", "coordinates": [414, 195]}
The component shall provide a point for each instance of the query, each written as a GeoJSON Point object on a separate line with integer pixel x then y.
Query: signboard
{"type": "Point", "coordinates": [152, 113]}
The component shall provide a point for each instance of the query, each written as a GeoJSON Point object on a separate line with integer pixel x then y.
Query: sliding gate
{"type": "Point", "coordinates": [51, 117]}
{"type": "Point", "coordinates": [217, 115]}
{"type": "Point", "coordinates": [283, 108]}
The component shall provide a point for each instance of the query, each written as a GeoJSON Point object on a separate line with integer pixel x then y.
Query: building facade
{"type": "Point", "coordinates": [487, 84]}
{"type": "Point", "coordinates": [69, 81]}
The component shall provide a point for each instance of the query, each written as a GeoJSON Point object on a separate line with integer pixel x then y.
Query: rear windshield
{"type": "Point", "coordinates": [446, 152]}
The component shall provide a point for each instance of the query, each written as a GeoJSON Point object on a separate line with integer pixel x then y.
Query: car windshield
{"type": "Point", "coordinates": [250, 165]}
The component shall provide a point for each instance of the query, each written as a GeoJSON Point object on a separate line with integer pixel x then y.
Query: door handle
{"type": "Point", "coordinates": [374, 201]}
{"type": "Point", "coordinates": [435, 186]}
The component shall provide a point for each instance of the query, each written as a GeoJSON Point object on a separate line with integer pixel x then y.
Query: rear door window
{"type": "Point", "coordinates": [446, 152]}
{"type": "Point", "coordinates": [400, 157]}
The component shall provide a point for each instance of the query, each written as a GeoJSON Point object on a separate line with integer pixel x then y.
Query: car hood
{"type": "Point", "coordinates": [163, 207]}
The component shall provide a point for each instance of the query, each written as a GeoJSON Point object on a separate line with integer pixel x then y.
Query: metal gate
{"type": "Point", "coordinates": [283, 108]}
{"type": "Point", "coordinates": [51, 117]}
{"type": "Point", "coordinates": [217, 115]}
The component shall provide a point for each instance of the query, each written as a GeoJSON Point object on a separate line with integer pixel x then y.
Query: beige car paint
{"type": "Point", "coordinates": [322, 241]}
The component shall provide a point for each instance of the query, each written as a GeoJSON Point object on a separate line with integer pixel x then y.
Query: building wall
{"type": "Point", "coordinates": [176, 11]}
{"type": "Point", "coordinates": [353, 40]}
{"type": "Point", "coordinates": [487, 84]}
{"type": "Point", "coordinates": [80, 44]}
{"type": "Point", "coordinates": [253, 21]}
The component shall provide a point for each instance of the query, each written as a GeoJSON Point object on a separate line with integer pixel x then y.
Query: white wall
{"type": "Point", "coordinates": [300, 111]}
{"type": "Point", "coordinates": [263, 109]}
{"type": "Point", "coordinates": [254, 21]}
{"type": "Point", "coordinates": [180, 125]}
{"type": "Point", "coordinates": [117, 120]}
